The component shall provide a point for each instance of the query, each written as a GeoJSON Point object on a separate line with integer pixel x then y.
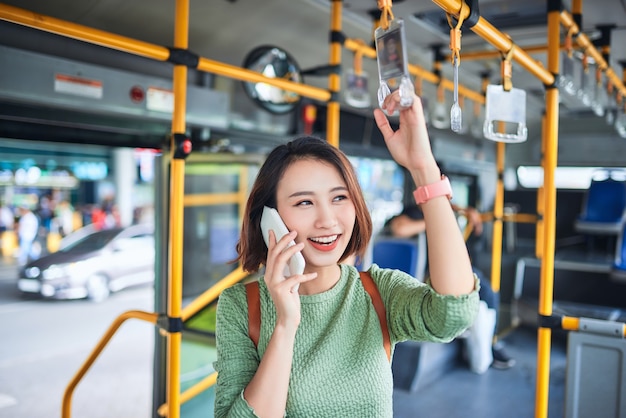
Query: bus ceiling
{"type": "Point", "coordinates": [303, 33]}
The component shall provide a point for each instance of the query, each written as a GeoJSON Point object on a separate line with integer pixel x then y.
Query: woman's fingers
{"type": "Point", "coordinates": [293, 283]}
{"type": "Point", "coordinates": [383, 123]}
{"type": "Point", "coordinates": [279, 253]}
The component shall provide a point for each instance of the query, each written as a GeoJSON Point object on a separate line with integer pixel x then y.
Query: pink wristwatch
{"type": "Point", "coordinates": [441, 188]}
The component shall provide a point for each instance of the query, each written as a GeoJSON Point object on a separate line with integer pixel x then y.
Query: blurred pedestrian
{"type": "Point", "coordinates": [27, 229]}
{"type": "Point", "coordinates": [7, 218]}
{"type": "Point", "coordinates": [64, 217]}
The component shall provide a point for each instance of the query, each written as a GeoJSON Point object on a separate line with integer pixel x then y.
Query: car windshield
{"type": "Point", "coordinates": [93, 242]}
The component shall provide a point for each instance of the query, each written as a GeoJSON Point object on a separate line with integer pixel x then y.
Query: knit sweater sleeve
{"type": "Point", "coordinates": [415, 311]}
{"type": "Point", "coordinates": [237, 356]}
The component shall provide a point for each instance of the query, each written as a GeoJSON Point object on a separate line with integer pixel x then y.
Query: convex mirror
{"type": "Point", "coordinates": [272, 62]}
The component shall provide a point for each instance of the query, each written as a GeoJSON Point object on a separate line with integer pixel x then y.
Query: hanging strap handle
{"type": "Point", "coordinates": [386, 14]}
{"type": "Point", "coordinates": [455, 33]}
{"type": "Point", "coordinates": [506, 69]}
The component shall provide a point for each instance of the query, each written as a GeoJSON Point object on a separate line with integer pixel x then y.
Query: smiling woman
{"type": "Point", "coordinates": [329, 329]}
{"type": "Point", "coordinates": [57, 86]}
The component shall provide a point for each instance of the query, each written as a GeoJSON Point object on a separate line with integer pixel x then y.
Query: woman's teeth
{"type": "Point", "coordinates": [325, 240]}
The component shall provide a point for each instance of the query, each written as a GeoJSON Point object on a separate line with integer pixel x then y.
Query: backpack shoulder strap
{"type": "Point", "coordinates": [377, 301]}
{"type": "Point", "coordinates": [254, 311]}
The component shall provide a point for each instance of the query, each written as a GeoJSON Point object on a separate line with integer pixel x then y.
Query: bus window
{"type": "Point", "coordinates": [531, 177]}
{"type": "Point", "coordinates": [382, 182]}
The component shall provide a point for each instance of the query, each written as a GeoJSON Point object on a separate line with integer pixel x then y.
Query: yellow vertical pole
{"type": "Point", "coordinates": [498, 209]}
{"type": "Point", "coordinates": [620, 95]}
{"type": "Point", "coordinates": [546, 291]}
{"type": "Point", "coordinates": [177, 179]}
{"type": "Point", "coordinates": [334, 81]}
{"type": "Point", "coordinates": [540, 199]}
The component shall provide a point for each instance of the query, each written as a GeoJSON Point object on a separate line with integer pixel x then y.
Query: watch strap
{"type": "Point", "coordinates": [440, 188]}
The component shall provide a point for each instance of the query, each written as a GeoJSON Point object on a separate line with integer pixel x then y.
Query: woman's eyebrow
{"type": "Point", "coordinates": [308, 193]}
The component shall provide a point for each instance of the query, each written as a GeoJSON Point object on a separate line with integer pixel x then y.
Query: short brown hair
{"type": "Point", "coordinates": [251, 249]}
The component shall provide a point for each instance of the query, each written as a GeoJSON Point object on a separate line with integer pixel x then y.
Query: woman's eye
{"type": "Point", "coordinates": [340, 198]}
{"type": "Point", "coordinates": [304, 203]}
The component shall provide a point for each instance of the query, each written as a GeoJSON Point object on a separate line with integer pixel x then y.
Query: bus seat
{"type": "Point", "coordinates": [415, 364]}
{"type": "Point", "coordinates": [405, 254]}
{"type": "Point", "coordinates": [619, 266]}
{"type": "Point", "coordinates": [603, 208]}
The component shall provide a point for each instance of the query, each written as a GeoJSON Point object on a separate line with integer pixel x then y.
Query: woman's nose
{"type": "Point", "coordinates": [325, 217]}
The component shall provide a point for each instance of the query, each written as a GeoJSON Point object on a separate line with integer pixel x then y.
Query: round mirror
{"type": "Point", "coordinates": [275, 63]}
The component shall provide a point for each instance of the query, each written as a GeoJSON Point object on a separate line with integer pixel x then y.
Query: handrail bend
{"type": "Point", "coordinates": [67, 395]}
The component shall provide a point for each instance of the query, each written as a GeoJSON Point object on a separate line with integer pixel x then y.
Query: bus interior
{"type": "Point", "coordinates": [106, 75]}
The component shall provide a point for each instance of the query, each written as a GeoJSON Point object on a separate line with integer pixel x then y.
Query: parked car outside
{"type": "Point", "coordinates": [93, 266]}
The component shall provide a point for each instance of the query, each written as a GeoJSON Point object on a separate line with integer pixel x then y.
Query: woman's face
{"type": "Point", "coordinates": [313, 200]}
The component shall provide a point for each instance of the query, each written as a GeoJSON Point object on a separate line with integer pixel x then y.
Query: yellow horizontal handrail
{"type": "Point", "coordinates": [527, 218]}
{"type": "Point", "coordinates": [205, 199]}
{"type": "Point", "coordinates": [82, 33]}
{"type": "Point", "coordinates": [190, 393]}
{"type": "Point", "coordinates": [480, 55]}
{"type": "Point", "coordinates": [242, 74]}
{"type": "Point", "coordinates": [211, 294]}
{"type": "Point", "coordinates": [67, 395]}
{"type": "Point", "coordinates": [506, 217]}
{"type": "Point", "coordinates": [146, 49]}
{"type": "Point", "coordinates": [570, 323]}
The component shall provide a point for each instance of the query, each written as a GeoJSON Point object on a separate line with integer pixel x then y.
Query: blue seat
{"type": "Point", "coordinates": [408, 255]}
{"type": "Point", "coordinates": [603, 208]}
{"type": "Point", "coordinates": [416, 364]}
{"type": "Point", "coordinates": [398, 254]}
{"type": "Point", "coordinates": [619, 266]}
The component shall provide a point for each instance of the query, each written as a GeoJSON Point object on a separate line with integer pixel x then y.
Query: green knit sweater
{"type": "Point", "coordinates": [340, 368]}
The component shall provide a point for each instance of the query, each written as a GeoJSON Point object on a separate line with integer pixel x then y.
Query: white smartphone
{"type": "Point", "coordinates": [270, 219]}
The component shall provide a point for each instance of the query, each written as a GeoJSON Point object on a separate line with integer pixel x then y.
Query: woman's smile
{"type": "Point", "coordinates": [326, 243]}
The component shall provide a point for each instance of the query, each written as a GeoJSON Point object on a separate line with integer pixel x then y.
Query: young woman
{"type": "Point", "coordinates": [320, 351]}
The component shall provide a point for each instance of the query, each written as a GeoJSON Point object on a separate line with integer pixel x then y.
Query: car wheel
{"type": "Point", "coordinates": [98, 288]}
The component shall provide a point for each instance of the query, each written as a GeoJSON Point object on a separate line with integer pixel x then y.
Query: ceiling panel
{"type": "Point", "coordinates": [227, 30]}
